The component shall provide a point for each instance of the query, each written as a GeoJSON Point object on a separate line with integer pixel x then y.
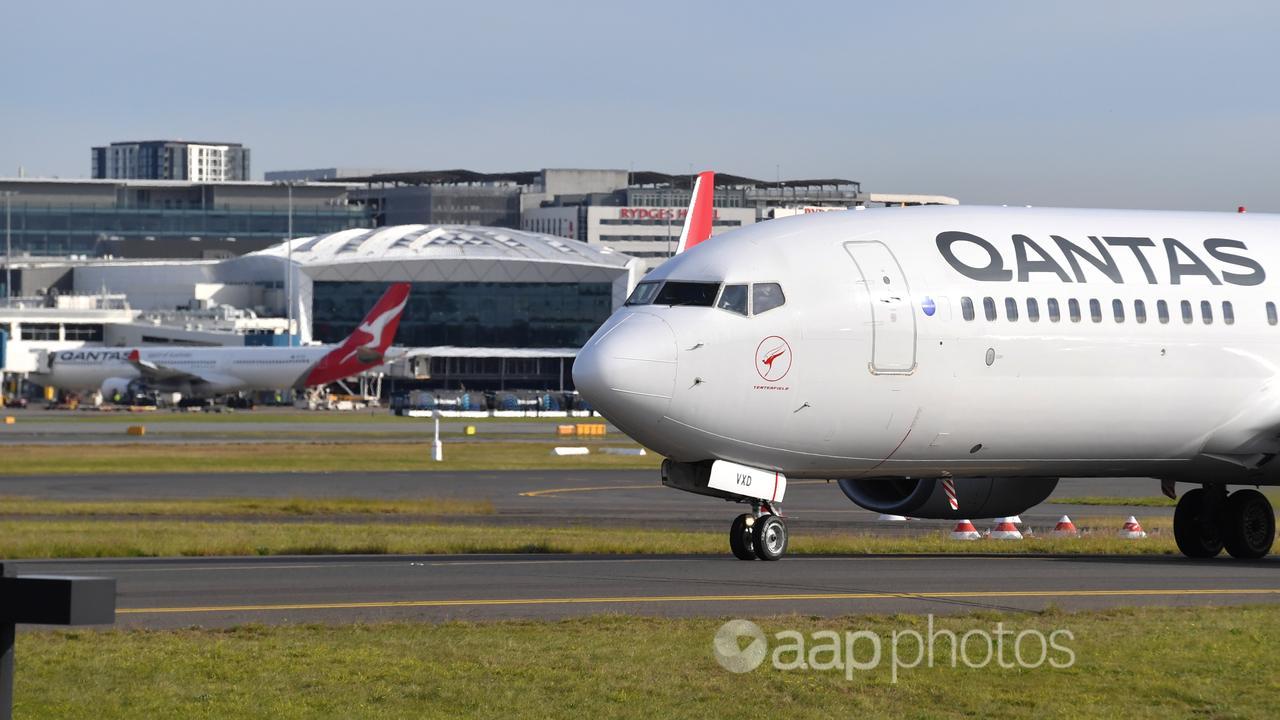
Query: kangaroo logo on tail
{"type": "Point", "coordinates": [375, 329]}
{"type": "Point", "coordinates": [366, 346]}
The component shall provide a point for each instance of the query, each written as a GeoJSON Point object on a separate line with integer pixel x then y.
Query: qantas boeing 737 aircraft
{"type": "Point", "coordinates": [205, 372]}
{"type": "Point", "coordinates": [906, 351]}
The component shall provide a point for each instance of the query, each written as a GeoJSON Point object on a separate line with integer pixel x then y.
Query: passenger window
{"type": "Point", "coordinates": [765, 297]}
{"type": "Point", "coordinates": [1033, 310]}
{"type": "Point", "coordinates": [1162, 310]}
{"type": "Point", "coordinates": [1117, 309]}
{"type": "Point", "coordinates": [989, 307]}
{"type": "Point", "coordinates": [734, 299]}
{"type": "Point", "coordinates": [966, 308]}
{"type": "Point", "coordinates": [697, 294]}
{"type": "Point", "coordinates": [1206, 312]}
{"type": "Point", "coordinates": [1272, 318]}
{"type": "Point", "coordinates": [1187, 317]}
{"type": "Point", "coordinates": [643, 294]}
{"type": "Point", "coordinates": [1054, 314]}
{"type": "Point", "coordinates": [1228, 313]}
{"type": "Point", "coordinates": [1095, 310]}
{"type": "Point", "coordinates": [1011, 309]}
{"type": "Point", "coordinates": [1073, 307]}
{"type": "Point", "coordinates": [1139, 311]}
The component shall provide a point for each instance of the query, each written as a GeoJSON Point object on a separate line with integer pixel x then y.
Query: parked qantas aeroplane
{"type": "Point", "coordinates": [205, 372]}
{"type": "Point", "coordinates": [908, 351]}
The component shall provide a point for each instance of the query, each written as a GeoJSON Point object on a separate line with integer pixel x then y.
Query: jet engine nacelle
{"type": "Point", "coordinates": [111, 386]}
{"type": "Point", "coordinates": [978, 497]}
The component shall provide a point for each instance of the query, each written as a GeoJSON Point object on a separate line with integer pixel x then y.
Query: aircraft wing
{"type": "Point", "coordinates": [151, 372]}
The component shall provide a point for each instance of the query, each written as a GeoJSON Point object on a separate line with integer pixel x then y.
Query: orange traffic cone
{"type": "Point", "coordinates": [965, 531]}
{"type": "Point", "coordinates": [1005, 530]}
{"type": "Point", "coordinates": [1065, 527]}
{"type": "Point", "coordinates": [1132, 530]}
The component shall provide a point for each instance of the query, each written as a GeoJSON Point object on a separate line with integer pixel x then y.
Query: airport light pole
{"type": "Point", "coordinates": [8, 247]}
{"type": "Point", "coordinates": [288, 277]}
{"type": "Point", "coordinates": [288, 271]}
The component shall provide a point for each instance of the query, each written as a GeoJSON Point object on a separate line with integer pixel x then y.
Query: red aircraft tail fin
{"type": "Point", "coordinates": [697, 223]}
{"type": "Point", "coordinates": [366, 346]}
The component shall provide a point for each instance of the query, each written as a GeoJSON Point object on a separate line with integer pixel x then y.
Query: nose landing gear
{"type": "Point", "coordinates": [762, 534]}
{"type": "Point", "coordinates": [1207, 520]}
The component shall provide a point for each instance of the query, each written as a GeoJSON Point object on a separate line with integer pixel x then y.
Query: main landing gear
{"type": "Point", "coordinates": [761, 533]}
{"type": "Point", "coordinates": [1207, 520]}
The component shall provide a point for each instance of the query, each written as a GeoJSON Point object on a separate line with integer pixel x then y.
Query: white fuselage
{"type": "Point", "coordinates": [874, 386]}
{"type": "Point", "coordinates": [222, 369]}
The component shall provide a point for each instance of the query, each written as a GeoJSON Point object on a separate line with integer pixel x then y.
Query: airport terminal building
{"type": "Point", "coordinates": [165, 218]}
{"type": "Point", "coordinates": [490, 308]}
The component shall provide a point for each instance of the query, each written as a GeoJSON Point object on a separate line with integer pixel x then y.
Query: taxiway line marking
{"type": "Point", "coordinates": [557, 491]}
{"type": "Point", "coordinates": [491, 602]}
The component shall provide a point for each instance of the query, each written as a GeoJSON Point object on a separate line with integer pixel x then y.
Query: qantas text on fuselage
{"type": "Point", "coordinates": [1176, 260]}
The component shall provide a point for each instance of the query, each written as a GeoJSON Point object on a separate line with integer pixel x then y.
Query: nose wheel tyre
{"type": "Point", "coordinates": [770, 537]}
{"type": "Point", "coordinates": [1248, 525]}
{"type": "Point", "coordinates": [741, 539]}
{"type": "Point", "coordinates": [1197, 536]}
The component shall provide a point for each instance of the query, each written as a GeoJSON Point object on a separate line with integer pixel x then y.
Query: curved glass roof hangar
{"type": "Point", "coordinates": [431, 253]}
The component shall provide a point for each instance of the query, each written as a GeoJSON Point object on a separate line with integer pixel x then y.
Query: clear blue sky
{"type": "Point", "coordinates": [1134, 104]}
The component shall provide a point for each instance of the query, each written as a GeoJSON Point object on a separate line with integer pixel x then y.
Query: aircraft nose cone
{"type": "Point", "coordinates": [627, 371]}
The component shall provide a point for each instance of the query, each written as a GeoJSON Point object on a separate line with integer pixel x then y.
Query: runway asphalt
{"type": "Point", "coordinates": [229, 591]}
{"type": "Point", "coordinates": [184, 592]}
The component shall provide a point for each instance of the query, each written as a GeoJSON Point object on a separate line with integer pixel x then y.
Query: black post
{"type": "Point", "coordinates": [46, 600]}
{"type": "Point", "coordinates": [7, 632]}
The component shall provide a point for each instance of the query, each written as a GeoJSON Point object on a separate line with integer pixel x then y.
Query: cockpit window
{"type": "Point", "coordinates": [643, 294]}
{"type": "Point", "coordinates": [734, 299]}
{"type": "Point", "coordinates": [698, 294]}
{"type": "Point", "coordinates": [765, 297]}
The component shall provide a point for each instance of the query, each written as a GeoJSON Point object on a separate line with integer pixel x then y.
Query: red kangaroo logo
{"type": "Point", "coordinates": [774, 361]}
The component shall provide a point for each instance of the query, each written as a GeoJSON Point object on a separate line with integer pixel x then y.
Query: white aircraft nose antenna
{"type": "Point", "coordinates": [628, 373]}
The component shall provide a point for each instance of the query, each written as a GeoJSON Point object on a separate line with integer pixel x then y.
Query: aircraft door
{"type": "Point", "coordinates": [893, 322]}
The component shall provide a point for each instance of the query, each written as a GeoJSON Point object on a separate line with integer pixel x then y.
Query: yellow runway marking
{"type": "Point", "coordinates": [649, 486]}
{"type": "Point", "coordinates": [557, 491]}
{"type": "Point", "coordinates": [961, 595]}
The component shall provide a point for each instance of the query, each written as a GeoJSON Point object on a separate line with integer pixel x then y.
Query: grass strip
{"type": "Point", "coordinates": [1143, 501]}
{"type": "Point", "coordinates": [303, 457]}
{"type": "Point", "coordinates": [1138, 501]}
{"type": "Point", "coordinates": [30, 538]}
{"type": "Point", "coordinates": [1149, 662]}
{"type": "Point", "coordinates": [242, 507]}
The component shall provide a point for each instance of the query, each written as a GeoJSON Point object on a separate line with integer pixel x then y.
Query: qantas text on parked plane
{"type": "Point", "coordinates": [1002, 348]}
{"type": "Point", "coordinates": [205, 372]}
